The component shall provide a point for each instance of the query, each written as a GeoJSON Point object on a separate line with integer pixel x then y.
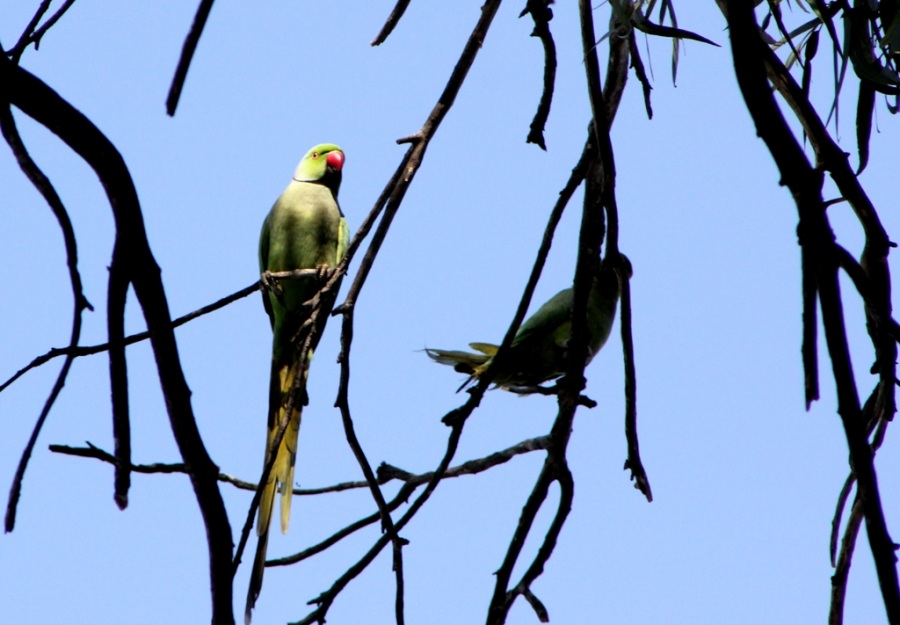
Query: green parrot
{"type": "Point", "coordinates": [538, 351]}
{"type": "Point", "coordinates": [304, 230]}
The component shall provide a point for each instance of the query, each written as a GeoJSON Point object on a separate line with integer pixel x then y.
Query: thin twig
{"type": "Point", "coordinates": [45, 187]}
{"type": "Point", "coordinates": [411, 482]}
{"type": "Point", "coordinates": [187, 54]}
{"type": "Point", "coordinates": [30, 35]}
{"type": "Point", "coordinates": [842, 566]}
{"type": "Point", "coordinates": [77, 351]}
{"type": "Point", "coordinates": [541, 14]}
{"type": "Point", "coordinates": [391, 23]}
{"type": "Point", "coordinates": [641, 73]}
{"type": "Point", "coordinates": [16, 51]}
{"type": "Point", "coordinates": [117, 293]}
{"type": "Point", "coordinates": [633, 462]}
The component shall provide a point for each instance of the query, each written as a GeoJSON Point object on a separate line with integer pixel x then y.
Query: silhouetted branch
{"type": "Point", "coordinates": [117, 293]}
{"type": "Point", "coordinates": [620, 51]}
{"type": "Point", "coordinates": [563, 476]}
{"type": "Point", "coordinates": [633, 461]}
{"type": "Point", "coordinates": [391, 199]}
{"type": "Point", "coordinates": [411, 482]}
{"type": "Point", "coordinates": [842, 559]}
{"type": "Point", "coordinates": [751, 58]}
{"type": "Point", "coordinates": [37, 100]}
{"type": "Point", "coordinates": [539, 610]}
{"type": "Point", "coordinates": [842, 567]}
{"type": "Point", "coordinates": [187, 53]}
{"type": "Point", "coordinates": [386, 473]}
{"type": "Point", "coordinates": [502, 599]}
{"type": "Point", "coordinates": [393, 18]}
{"type": "Point", "coordinates": [641, 74]}
{"type": "Point", "coordinates": [32, 34]}
{"type": "Point", "coordinates": [541, 13]}
{"type": "Point", "coordinates": [617, 72]}
{"type": "Point", "coordinates": [873, 282]}
{"type": "Point", "coordinates": [597, 168]}
{"type": "Point", "coordinates": [77, 351]}
{"type": "Point", "coordinates": [45, 187]}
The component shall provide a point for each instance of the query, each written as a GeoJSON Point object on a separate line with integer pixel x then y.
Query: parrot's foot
{"type": "Point", "coordinates": [537, 389]}
{"type": "Point", "coordinates": [270, 283]}
{"type": "Point", "coordinates": [323, 274]}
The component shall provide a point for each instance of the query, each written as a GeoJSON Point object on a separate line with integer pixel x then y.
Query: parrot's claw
{"type": "Point", "coordinates": [323, 273]}
{"type": "Point", "coordinates": [270, 283]}
{"type": "Point", "coordinates": [537, 389]}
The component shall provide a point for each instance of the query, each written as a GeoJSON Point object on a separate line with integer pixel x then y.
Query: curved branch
{"type": "Point", "coordinates": [817, 239]}
{"type": "Point", "coordinates": [37, 100]}
{"type": "Point", "coordinates": [541, 13]}
{"type": "Point", "coordinates": [503, 599]}
{"type": "Point", "coordinates": [45, 187]}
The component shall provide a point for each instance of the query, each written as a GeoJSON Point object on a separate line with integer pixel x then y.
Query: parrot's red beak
{"type": "Point", "coordinates": [335, 159]}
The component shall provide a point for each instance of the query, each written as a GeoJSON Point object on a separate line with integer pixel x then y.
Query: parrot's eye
{"type": "Point", "coordinates": [315, 155]}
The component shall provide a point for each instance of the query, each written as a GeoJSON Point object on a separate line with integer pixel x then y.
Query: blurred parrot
{"type": "Point", "coordinates": [304, 230]}
{"type": "Point", "coordinates": [538, 351]}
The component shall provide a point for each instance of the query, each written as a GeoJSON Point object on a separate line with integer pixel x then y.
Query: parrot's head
{"type": "Point", "coordinates": [614, 270]}
{"type": "Point", "coordinates": [323, 163]}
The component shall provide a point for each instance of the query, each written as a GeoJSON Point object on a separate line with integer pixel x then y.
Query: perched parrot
{"type": "Point", "coordinates": [538, 351]}
{"type": "Point", "coordinates": [304, 230]}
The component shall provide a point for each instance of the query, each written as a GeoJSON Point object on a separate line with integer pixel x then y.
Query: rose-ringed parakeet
{"type": "Point", "coordinates": [538, 352]}
{"type": "Point", "coordinates": [304, 230]}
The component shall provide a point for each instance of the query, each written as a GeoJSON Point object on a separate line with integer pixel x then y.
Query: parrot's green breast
{"type": "Point", "coordinates": [303, 230]}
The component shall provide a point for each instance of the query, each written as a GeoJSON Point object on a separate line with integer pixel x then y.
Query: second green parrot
{"type": "Point", "coordinates": [538, 352]}
{"type": "Point", "coordinates": [304, 230]}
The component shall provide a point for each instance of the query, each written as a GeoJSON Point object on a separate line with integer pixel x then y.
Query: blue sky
{"type": "Point", "coordinates": [744, 479]}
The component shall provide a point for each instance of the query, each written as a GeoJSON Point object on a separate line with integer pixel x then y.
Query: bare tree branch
{"type": "Point", "coordinates": [32, 34]}
{"type": "Point", "coordinates": [45, 187]}
{"type": "Point", "coordinates": [187, 54]}
{"type": "Point", "coordinates": [410, 483]}
{"type": "Point", "coordinates": [77, 351]}
{"type": "Point", "coordinates": [392, 20]}
{"type": "Point", "coordinates": [391, 199]}
{"type": "Point", "coordinates": [37, 100]}
{"type": "Point", "coordinates": [817, 239]}
{"type": "Point", "coordinates": [541, 13]}
{"type": "Point", "coordinates": [597, 168]}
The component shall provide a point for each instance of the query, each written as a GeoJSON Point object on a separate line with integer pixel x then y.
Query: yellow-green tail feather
{"type": "Point", "coordinates": [281, 477]}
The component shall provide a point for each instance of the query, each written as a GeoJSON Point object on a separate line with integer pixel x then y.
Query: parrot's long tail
{"type": "Point", "coordinates": [256, 576]}
{"type": "Point", "coordinates": [281, 477]}
{"type": "Point", "coordinates": [465, 362]}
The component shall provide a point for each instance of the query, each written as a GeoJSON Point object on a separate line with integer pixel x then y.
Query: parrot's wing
{"type": "Point", "coordinates": [547, 320]}
{"type": "Point", "coordinates": [488, 349]}
{"type": "Point", "coordinates": [343, 240]}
